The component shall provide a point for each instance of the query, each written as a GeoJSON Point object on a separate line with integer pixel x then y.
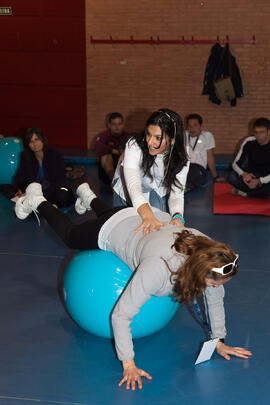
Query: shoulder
{"type": "Point", "coordinates": [207, 135]}
{"type": "Point", "coordinates": [132, 145]}
{"type": "Point", "coordinates": [103, 135]}
{"type": "Point", "coordinates": [27, 156]}
{"type": "Point", "coordinates": [250, 140]}
{"type": "Point", "coordinates": [53, 153]}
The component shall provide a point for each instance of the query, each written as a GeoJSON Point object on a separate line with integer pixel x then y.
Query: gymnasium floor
{"type": "Point", "coordinates": [47, 359]}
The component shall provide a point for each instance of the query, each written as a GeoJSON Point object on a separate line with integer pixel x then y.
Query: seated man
{"type": "Point", "coordinates": [251, 167]}
{"type": "Point", "coordinates": [201, 145]}
{"type": "Point", "coordinates": [109, 146]}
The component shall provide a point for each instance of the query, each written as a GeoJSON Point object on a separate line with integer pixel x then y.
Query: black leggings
{"type": "Point", "coordinates": [83, 236]}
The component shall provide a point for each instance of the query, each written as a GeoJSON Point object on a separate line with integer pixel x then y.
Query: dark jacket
{"type": "Point", "coordinates": [106, 142]}
{"type": "Point", "coordinates": [53, 167]}
{"type": "Point", "coordinates": [218, 67]}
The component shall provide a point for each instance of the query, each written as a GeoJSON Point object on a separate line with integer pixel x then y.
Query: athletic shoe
{"type": "Point", "coordinates": [85, 197]}
{"type": "Point", "coordinates": [29, 203]}
{"type": "Point", "coordinates": [235, 191]}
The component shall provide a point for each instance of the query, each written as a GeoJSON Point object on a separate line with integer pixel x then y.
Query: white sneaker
{"type": "Point", "coordinates": [235, 191]}
{"type": "Point", "coordinates": [85, 197]}
{"type": "Point", "coordinates": [29, 203]}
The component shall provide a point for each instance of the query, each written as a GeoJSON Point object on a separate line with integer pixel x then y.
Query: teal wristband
{"type": "Point", "coordinates": [179, 216]}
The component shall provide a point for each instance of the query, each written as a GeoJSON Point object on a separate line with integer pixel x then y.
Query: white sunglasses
{"type": "Point", "coordinates": [227, 268]}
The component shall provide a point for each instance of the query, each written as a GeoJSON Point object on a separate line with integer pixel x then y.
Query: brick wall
{"type": "Point", "coordinates": [137, 79]}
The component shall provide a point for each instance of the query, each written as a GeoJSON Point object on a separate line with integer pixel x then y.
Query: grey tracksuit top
{"type": "Point", "coordinates": [145, 254]}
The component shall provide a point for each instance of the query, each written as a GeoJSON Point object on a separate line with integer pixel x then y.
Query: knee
{"type": "Point", "coordinates": [233, 177]}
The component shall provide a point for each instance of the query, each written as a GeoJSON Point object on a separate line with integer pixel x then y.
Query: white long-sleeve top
{"type": "Point", "coordinates": [145, 255]}
{"type": "Point", "coordinates": [139, 186]}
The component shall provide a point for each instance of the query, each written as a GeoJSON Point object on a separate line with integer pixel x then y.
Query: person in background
{"type": "Point", "coordinates": [201, 152]}
{"type": "Point", "coordinates": [109, 146]}
{"type": "Point", "coordinates": [250, 175]}
{"type": "Point", "coordinates": [45, 165]}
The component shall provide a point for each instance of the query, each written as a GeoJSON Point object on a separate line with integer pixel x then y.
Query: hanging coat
{"type": "Point", "coordinates": [218, 67]}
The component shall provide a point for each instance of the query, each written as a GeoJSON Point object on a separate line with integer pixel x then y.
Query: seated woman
{"type": "Point", "coordinates": [43, 164]}
{"type": "Point", "coordinates": [184, 264]}
{"type": "Point", "coordinates": [154, 170]}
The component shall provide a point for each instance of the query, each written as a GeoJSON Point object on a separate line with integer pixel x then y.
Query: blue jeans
{"type": "Point", "coordinates": [262, 191]}
{"type": "Point", "coordinates": [154, 200]}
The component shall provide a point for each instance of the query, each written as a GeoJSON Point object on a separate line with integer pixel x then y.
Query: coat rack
{"type": "Point", "coordinates": [183, 41]}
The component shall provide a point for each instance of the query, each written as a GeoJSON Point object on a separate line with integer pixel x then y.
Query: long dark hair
{"type": "Point", "coordinates": [202, 255]}
{"type": "Point", "coordinates": [28, 136]}
{"type": "Point", "coordinates": [176, 157]}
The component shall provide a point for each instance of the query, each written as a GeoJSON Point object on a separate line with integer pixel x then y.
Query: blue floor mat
{"type": "Point", "coordinates": [47, 359]}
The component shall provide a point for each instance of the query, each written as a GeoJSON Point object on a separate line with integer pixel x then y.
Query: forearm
{"type": "Point", "coordinates": [265, 179]}
{"type": "Point", "coordinates": [215, 308]}
{"type": "Point", "coordinates": [237, 169]}
{"type": "Point", "coordinates": [134, 187]}
{"type": "Point", "coordinates": [211, 164]}
{"type": "Point", "coordinates": [176, 198]}
{"type": "Point", "coordinates": [122, 333]}
{"type": "Point", "coordinates": [176, 206]}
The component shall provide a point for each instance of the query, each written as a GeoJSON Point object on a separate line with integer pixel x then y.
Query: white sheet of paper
{"type": "Point", "coordinates": [207, 350]}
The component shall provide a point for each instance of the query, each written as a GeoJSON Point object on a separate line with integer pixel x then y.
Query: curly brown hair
{"type": "Point", "coordinates": [202, 254]}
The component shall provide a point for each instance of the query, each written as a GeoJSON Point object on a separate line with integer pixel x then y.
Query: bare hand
{"type": "Point", "coordinates": [149, 224]}
{"type": "Point", "coordinates": [149, 221]}
{"type": "Point", "coordinates": [247, 177]}
{"type": "Point", "coordinates": [132, 375]}
{"type": "Point", "coordinates": [254, 183]}
{"type": "Point", "coordinates": [225, 351]}
{"type": "Point", "coordinates": [177, 222]}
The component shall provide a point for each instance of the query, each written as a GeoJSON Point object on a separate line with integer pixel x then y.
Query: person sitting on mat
{"type": "Point", "coordinates": [109, 146]}
{"type": "Point", "coordinates": [43, 164]}
{"type": "Point", "coordinates": [250, 176]}
{"type": "Point", "coordinates": [154, 170]}
{"type": "Point", "coordinates": [185, 264]}
{"type": "Point", "coordinates": [201, 153]}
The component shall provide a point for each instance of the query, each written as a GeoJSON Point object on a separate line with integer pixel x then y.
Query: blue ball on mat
{"type": "Point", "coordinates": [93, 282]}
{"type": "Point", "coordinates": [10, 150]}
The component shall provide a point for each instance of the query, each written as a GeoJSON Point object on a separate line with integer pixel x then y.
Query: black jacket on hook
{"type": "Point", "coordinates": [218, 67]}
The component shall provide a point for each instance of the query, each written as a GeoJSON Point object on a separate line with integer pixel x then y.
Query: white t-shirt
{"type": "Point", "coordinates": [198, 153]}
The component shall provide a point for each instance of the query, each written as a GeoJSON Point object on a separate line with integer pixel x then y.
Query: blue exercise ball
{"type": "Point", "coordinates": [93, 282]}
{"type": "Point", "coordinates": [10, 150]}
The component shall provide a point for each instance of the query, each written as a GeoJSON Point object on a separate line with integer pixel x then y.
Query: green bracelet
{"type": "Point", "coordinates": [179, 216]}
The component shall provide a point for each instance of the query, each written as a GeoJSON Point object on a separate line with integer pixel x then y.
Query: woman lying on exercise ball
{"type": "Point", "coordinates": [184, 263]}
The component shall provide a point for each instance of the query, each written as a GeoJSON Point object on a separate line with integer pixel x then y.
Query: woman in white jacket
{"type": "Point", "coordinates": [154, 170]}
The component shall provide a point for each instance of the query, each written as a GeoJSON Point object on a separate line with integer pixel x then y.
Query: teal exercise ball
{"type": "Point", "coordinates": [10, 150]}
{"type": "Point", "coordinates": [93, 282]}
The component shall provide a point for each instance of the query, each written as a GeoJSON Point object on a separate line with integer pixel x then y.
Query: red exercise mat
{"type": "Point", "coordinates": [226, 203]}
